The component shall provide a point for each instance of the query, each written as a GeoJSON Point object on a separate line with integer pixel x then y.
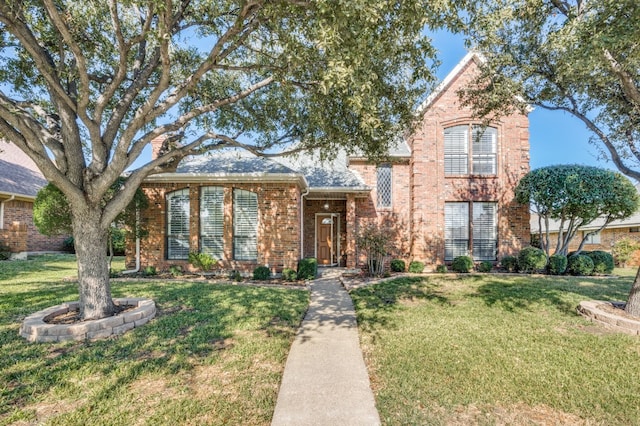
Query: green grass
{"type": "Point", "coordinates": [493, 349]}
{"type": "Point", "coordinates": [213, 355]}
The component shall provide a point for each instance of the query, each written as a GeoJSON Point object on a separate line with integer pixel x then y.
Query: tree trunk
{"type": "Point", "coordinates": [633, 303]}
{"type": "Point", "coordinates": [93, 266]}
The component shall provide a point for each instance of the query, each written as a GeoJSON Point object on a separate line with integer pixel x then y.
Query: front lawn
{"type": "Point", "coordinates": [213, 355]}
{"type": "Point", "coordinates": [491, 349]}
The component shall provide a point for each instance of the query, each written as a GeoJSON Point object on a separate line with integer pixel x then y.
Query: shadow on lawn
{"type": "Point", "coordinates": [194, 321]}
{"type": "Point", "coordinates": [516, 293]}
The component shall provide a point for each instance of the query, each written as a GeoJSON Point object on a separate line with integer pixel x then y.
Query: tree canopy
{"type": "Point", "coordinates": [577, 56]}
{"type": "Point", "coordinates": [575, 196]}
{"type": "Point", "coordinates": [85, 86]}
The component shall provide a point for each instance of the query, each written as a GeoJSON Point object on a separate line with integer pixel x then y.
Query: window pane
{"type": "Point", "coordinates": [456, 150]}
{"type": "Point", "coordinates": [456, 230]}
{"type": "Point", "coordinates": [384, 185]}
{"type": "Point", "coordinates": [485, 231]}
{"type": "Point", "coordinates": [484, 150]}
{"type": "Point", "coordinates": [245, 225]}
{"type": "Point", "coordinates": [178, 224]}
{"type": "Point", "coordinates": [212, 221]}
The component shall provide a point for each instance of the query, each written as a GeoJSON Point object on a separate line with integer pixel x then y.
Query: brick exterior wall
{"type": "Point", "coordinates": [21, 234]}
{"type": "Point", "coordinates": [278, 226]}
{"type": "Point", "coordinates": [608, 237]}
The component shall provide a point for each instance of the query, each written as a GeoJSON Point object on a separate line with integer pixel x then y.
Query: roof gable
{"type": "Point", "coordinates": [19, 175]}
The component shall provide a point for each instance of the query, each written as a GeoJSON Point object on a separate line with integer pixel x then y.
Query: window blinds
{"type": "Point", "coordinates": [212, 221]}
{"type": "Point", "coordinates": [245, 225]}
{"type": "Point", "coordinates": [178, 224]}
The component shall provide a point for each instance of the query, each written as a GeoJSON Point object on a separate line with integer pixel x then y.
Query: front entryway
{"type": "Point", "coordinates": [327, 238]}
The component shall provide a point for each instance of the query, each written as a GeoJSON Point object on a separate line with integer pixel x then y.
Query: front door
{"type": "Point", "coordinates": [327, 239]}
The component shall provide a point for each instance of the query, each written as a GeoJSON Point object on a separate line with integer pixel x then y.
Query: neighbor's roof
{"type": "Point", "coordinates": [19, 175]}
{"type": "Point", "coordinates": [554, 225]}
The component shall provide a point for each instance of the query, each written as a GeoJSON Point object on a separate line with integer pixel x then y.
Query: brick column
{"type": "Point", "coordinates": [351, 231]}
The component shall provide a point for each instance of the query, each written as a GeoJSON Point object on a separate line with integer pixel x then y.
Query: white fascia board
{"type": "Point", "coordinates": [228, 178]}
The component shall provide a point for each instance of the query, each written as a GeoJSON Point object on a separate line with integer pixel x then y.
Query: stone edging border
{"type": "Point", "coordinates": [35, 329]}
{"type": "Point", "coordinates": [590, 310]}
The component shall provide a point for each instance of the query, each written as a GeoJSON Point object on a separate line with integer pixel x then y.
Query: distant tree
{"type": "Point", "coordinates": [574, 196]}
{"type": "Point", "coordinates": [577, 56]}
{"type": "Point", "coordinates": [85, 86]}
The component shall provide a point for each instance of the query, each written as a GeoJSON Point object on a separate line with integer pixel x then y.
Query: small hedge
{"type": "Point", "coordinates": [509, 263]}
{"type": "Point", "coordinates": [602, 261]}
{"type": "Point", "coordinates": [579, 264]}
{"type": "Point", "coordinates": [442, 269]}
{"type": "Point", "coordinates": [416, 267]}
{"type": "Point", "coordinates": [307, 268]}
{"type": "Point", "coordinates": [289, 274]}
{"type": "Point", "coordinates": [531, 259]}
{"type": "Point", "coordinates": [485, 266]}
{"type": "Point", "coordinates": [261, 273]}
{"type": "Point", "coordinates": [557, 264]}
{"type": "Point", "coordinates": [203, 261]}
{"type": "Point", "coordinates": [462, 264]}
{"type": "Point", "coordinates": [398, 265]}
{"type": "Point", "coordinates": [5, 252]}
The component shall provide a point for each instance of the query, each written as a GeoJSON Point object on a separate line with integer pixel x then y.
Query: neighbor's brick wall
{"type": "Point", "coordinates": [430, 188]}
{"type": "Point", "coordinates": [278, 226]}
{"type": "Point", "coordinates": [21, 234]}
{"type": "Point", "coordinates": [608, 237]}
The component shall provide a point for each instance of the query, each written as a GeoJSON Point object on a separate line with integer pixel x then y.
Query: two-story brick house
{"type": "Point", "coordinates": [446, 190]}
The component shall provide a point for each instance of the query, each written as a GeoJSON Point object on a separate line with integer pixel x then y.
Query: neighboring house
{"type": "Point", "coordinates": [446, 190]}
{"type": "Point", "coordinates": [20, 181]}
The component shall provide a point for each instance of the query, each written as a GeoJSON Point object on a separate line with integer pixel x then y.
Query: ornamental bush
{"type": "Point", "coordinates": [623, 250]}
{"type": "Point", "coordinates": [557, 264]}
{"type": "Point", "coordinates": [5, 252]}
{"type": "Point", "coordinates": [203, 261]}
{"type": "Point", "coordinates": [289, 274]}
{"type": "Point", "coordinates": [579, 264]}
{"type": "Point", "coordinates": [509, 263]}
{"type": "Point", "coordinates": [602, 261]}
{"type": "Point", "coordinates": [485, 266]}
{"type": "Point", "coordinates": [307, 268]}
{"type": "Point", "coordinates": [261, 273]}
{"type": "Point", "coordinates": [416, 267]}
{"type": "Point", "coordinates": [398, 265]}
{"type": "Point", "coordinates": [462, 264]}
{"type": "Point", "coordinates": [531, 259]}
{"type": "Point", "coordinates": [442, 269]}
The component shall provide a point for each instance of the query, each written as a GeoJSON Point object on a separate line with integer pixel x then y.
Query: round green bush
{"type": "Point", "coordinates": [509, 263]}
{"type": "Point", "coordinates": [416, 267]}
{"type": "Point", "coordinates": [307, 268]}
{"type": "Point", "coordinates": [462, 264]}
{"type": "Point", "coordinates": [531, 259]}
{"type": "Point", "coordinates": [261, 273]}
{"type": "Point", "coordinates": [397, 265]}
{"type": "Point", "coordinates": [485, 266]}
{"type": "Point", "coordinates": [442, 269]}
{"type": "Point", "coordinates": [557, 264]}
{"type": "Point", "coordinates": [289, 274]}
{"type": "Point", "coordinates": [602, 261]}
{"type": "Point", "coordinates": [579, 264]}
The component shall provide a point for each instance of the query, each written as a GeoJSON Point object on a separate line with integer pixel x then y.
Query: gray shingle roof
{"type": "Point", "coordinates": [18, 173]}
{"type": "Point", "coordinates": [231, 162]}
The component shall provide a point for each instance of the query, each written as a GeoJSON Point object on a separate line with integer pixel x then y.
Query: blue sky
{"type": "Point", "coordinates": [556, 137]}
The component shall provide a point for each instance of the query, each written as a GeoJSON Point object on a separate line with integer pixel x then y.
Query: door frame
{"type": "Point", "coordinates": [335, 234]}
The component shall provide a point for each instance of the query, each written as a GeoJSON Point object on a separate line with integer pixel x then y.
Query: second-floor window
{"type": "Point", "coordinates": [384, 185]}
{"type": "Point", "coordinates": [462, 157]}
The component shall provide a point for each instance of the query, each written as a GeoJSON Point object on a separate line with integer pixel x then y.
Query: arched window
{"type": "Point", "coordinates": [212, 221]}
{"type": "Point", "coordinates": [178, 224]}
{"type": "Point", "coordinates": [245, 225]}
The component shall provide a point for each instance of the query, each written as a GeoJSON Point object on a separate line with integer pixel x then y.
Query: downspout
{"type": "Point", "coordinates": [137, 268]}
{"type": "Point", "coordinates": [13, 197]}
{"type": "Point", "coordinates": [302, 195]}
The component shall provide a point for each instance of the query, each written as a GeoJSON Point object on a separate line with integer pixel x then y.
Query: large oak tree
{"type": "Point", "coordinates": [577, 56]}
{"type": "Point", "coordinates": [85, 86]}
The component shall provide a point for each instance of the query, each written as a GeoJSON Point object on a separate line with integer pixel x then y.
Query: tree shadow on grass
{"type": "Point", "coordinates": [195, 323]}
{"type": "Point", "coordinates": [562, 293]}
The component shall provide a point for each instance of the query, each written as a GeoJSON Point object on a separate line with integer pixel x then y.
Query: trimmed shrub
{"type": "Point", "coordinates": [175, 270]}
{"type": "Point", "coordinates": [557, 264]}
{"type": "Point", "coordinates": [398, 265]}
{"type": "Point", "coordinates": [235, 275]}
{"type": "Point", "coordinates": [416, 267]}
{"type": "Point", "coordinates": [602, 261]}
{"type": "Point", "coordinates": [150, 270]}
{"type": "Point", "coordinates": [442, 269]}
{"type": "Point", "coordinates": [579, 264]}
{"type": "Point", "coordinates": [5, 252]}
{"type": "Point", "coordinates": [509, 263]}
{"type": "Point", "coordinates": [531, 259]}
{"type": "Point", "coordinates": [261, 273]}
{"type": "Point", "coordinates": [485, 266]}
{"type": "Point", "coordinates": [289, 274]}
{"type": "Point", "coordinates": [69, 245]}
{"type": "Point", "coordinates": [307, 268]}
{"type": "Point", "coordinates": [462, 264]}
{"type": "Point", "coordinates": [203, 261]}
{"type": "Point", "coordinates": [623, 250]}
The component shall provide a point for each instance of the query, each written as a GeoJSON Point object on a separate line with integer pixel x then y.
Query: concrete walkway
{"type": "Point", "coordinates": [325, 380]}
